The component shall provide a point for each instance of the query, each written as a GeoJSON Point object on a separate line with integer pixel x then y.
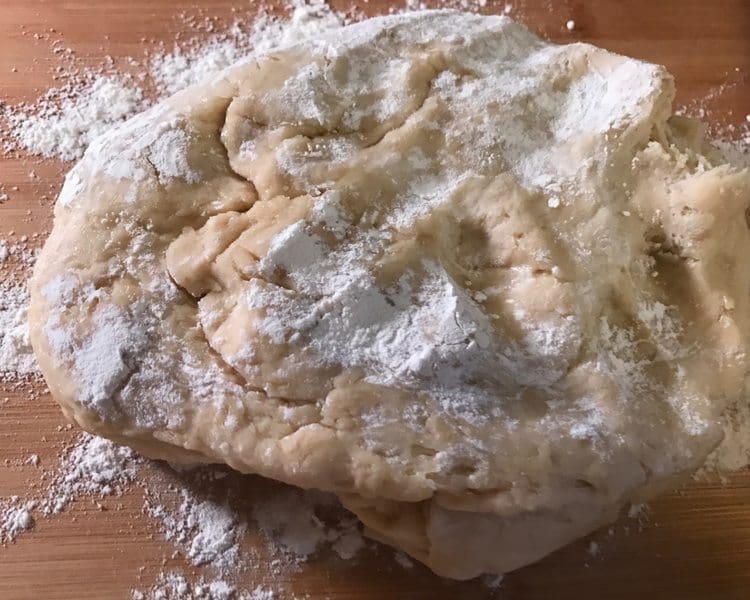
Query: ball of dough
{"type": "Point", "coordinates": [484, 288]}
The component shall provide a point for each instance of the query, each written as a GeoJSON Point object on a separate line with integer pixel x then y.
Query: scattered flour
{"type": "Point", "coordinates": [308, 21]}
{"type": "Point", "coordinates": [19, 253]}
{"type": "Point", "coordinates": [637, 511]}
{"type": "Point", "coordinates": [93, 467]}
{"type": "Point", "coordinates": [64, 122]}
{"type": "Point", "coordinates": [15, 518]}
{"type": "Point", "coordinates": [733, 454]}
{"type": "Point", "coordinates": [175, 586]}
{"type": "Point", "coordinates": [183, 66]}
{"type": "Point", "coordinates": [493, 582]}
{"type": "Point", "coordinates": [207, 531]}
{"type": "Point", "coordinates": [16, 355]}
{"type": "Point", "coordinates": [734, 143]}
{"type": "Point", "coordinates": [291, 523]}
{"type": "Point", "coordinates": [403, 560]}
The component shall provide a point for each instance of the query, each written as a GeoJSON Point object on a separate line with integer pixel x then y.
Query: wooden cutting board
{"type": "Point", "coordinates": [696, 543]}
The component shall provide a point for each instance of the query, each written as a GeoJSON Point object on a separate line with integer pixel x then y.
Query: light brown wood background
{"type": "Point", "coordinates": [697, 543]}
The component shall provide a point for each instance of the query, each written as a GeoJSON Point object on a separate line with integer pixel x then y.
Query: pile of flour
{"type": "Point", "coordinates": [15, 518]}
{"type": "Point", "coordinates": [207, 531]}
{"type": "Point", "coordinates": [16, 355]}
{"type": "Point", "coordinates": [65, 121]}
{"type": "Point", "coordinates": [174, 585]}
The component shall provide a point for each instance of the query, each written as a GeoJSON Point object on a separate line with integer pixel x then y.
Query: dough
{"type": "Point", "coordinates": [484, 288]}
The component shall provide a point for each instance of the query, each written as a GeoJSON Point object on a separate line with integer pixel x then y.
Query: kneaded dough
{"type": "Point", "coordinates": [484, 288]}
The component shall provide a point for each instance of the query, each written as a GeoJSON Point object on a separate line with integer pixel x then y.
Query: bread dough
{"type": "Point", "coordinates": [484, 288]}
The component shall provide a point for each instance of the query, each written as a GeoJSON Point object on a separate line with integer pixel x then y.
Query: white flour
{"type": "Point", "coordinates": [291, 521]}
{"type": "Point", "coordinates": [15, 519]}
{"type": "Point", "coordinates": [183, 66]}
{"type": "Point", "coordinates": [735, 144]}
{"type": "Point", "coordinates": [733, 454]}
{"type": "Point", "coordinates": [93, 467]}
{"type": "Point", "coordinates": [175, 586]}
{"type": "Point", "coordinates": [63, 123]}
{"type": "Point", "coordinates": [307, 21]}
{"type": "Point", "coordinates": [207, 531]}
{"type": "Point", "coordinates": [16, 354]}
{"type": "Point", "coordinates": [17, 256]}
{"type": "Point", "coordinates": [428, 334]}
{"type": "Point", "coordinates": [404, 561]}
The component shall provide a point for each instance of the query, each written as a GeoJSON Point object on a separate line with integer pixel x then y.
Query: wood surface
{"type": "Point", "coordinates": [696, 543]}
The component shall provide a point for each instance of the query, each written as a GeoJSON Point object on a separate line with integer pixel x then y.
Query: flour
{"type": "Point", "coordinates": [403, 561]}
{"type": "Point", "coordinates": [93, 467]}
{"type": "Point", "coordinates": [734, 144]}
{"type": "Point", "coordinates": [291, 523]}
{"type": "Point", "coordinates": [493, 582]}
{"type": "Point", "coordinates": [104, 360]}
{"type": "Point", "coordinates": [296, 524]}
{"type": "Point", "coordinates": [309, 20]}
{"type": "Point", "coordinates": [15, 519]}
{"type": "Point", "coordinates": [16, 355]}
{"type": "Point", "coordinates": [168, 154]}
{"type": "Point", "coordinates": [733, 454]}
{"type": "Point", "coordinates": [181, 68]}
{"type": "Point", "coordinates": [425, 331]}
{"type": "Point", "coordinates": [65, 121]}
{"type": "Point", "coordinates": [186, 66]}
{"type": "Point", "coordinates": [207, 531]}
{"type": "Point", "coordinates": [17, 256]}
{"type": "Point", "coordinates": [175, 586]}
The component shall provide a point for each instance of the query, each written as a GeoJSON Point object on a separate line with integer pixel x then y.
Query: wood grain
{"type": "Point", "coordinates": [696, 543]}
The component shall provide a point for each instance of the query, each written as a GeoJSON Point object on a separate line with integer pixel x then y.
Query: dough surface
{"type": "Point", "coordinates": [484, 288]}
